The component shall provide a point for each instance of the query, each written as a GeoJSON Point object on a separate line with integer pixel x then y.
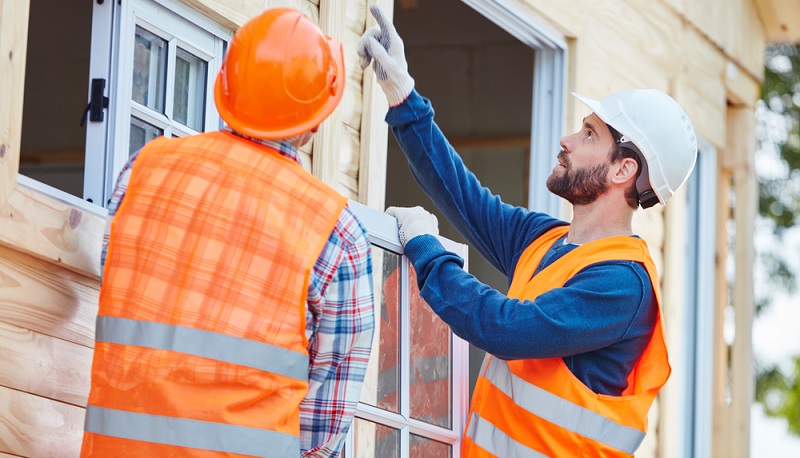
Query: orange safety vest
{"type": "Point", "coordinates": [537, 407]}
{"type": "Point", "coordinates": [201, 348]}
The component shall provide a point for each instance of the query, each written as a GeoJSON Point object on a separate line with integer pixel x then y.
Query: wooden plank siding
{"type": "Point", "coordinates": [13, 47]}
{"type": "Point", "coordinates": [39, 427]}
{"type": "Point", "coordinates": [47, 318]}
{"type": "Point", "coordinates": [734, 386]}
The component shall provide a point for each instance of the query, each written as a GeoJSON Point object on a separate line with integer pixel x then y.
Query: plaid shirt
{"type": "Point", "coordinates": [339, 319]}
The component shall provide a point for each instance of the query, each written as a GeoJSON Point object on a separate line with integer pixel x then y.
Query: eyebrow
{"type": "Point", "coordinates": [591, 126]}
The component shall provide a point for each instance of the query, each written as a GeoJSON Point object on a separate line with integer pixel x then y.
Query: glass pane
{"type": "Point", "coordinates": [382, 382]}
{"type": "Point", "coordinates": [149, 70]}
{"type": "Point", "coordinates": [141, 133]}
{"type": "Point", "coordinates": [431, 388]}
{"type": "Point", "coordinates": [422, 447]}
{"type": "Point", "coordinates": [371, 440]}
{"type": "Point", "coordinates": [190, 90]}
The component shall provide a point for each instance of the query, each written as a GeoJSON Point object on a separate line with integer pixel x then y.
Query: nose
{"type": "Point", "coordinates": [564, 142]}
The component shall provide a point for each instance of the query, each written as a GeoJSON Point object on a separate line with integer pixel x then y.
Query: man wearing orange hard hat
{"type": "Point", "coordinates": [236, 309]}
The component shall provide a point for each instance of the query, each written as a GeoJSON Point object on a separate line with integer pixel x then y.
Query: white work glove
{"type": "Point", "coordinates": [383, 44]}
{"type": "Point", "coordinates": [413, 222]}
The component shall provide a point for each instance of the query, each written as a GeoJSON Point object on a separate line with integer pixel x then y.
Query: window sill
{"type": "Point", "coordinates": [53, 226]}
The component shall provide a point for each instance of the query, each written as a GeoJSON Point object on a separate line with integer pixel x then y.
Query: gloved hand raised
{"type": "Point", "coordinates": [383, 44]}
{"type": "Point", "coordinates": [413, 222]}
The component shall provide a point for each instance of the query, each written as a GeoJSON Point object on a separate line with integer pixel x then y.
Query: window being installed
{"type": "Point", "coordinates": [414, 398]}
{"type": "Point", "coordinates": [130, 72]}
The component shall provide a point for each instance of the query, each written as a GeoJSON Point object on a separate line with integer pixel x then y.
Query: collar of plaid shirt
{"type": "Point", "coordinates": [285, 147]}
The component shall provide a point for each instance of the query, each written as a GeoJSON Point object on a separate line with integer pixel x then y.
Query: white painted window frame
{"type": "Point", "coordinates": [383, 233]}
{"type": "Point", "coordinates": [696, 379]}
{"type": "Point", "coordinates": [107, 142]}
{"type": "Point", "coordinates": [549, 98]}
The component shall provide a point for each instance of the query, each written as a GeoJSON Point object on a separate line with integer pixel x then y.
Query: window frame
{"type": "Point", "coordinates": [107, 142]}
{"type": "Point", "coordinates": [696, 381]}
{"type": "Point", "coordinates": [549, 91]}
{"type": "Point", "coordinates": [382, 230]}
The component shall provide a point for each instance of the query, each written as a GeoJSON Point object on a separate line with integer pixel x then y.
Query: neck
{"type": "Point", "coordinates": [600, 219]}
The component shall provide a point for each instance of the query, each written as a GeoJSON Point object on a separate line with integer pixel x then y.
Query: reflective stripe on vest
{"type": "Point", "coordinates": [561, 412]}
{"type": "Point", "coordinates": [206, 344]}
{"type": "Point", "coordinates": [189, 433]}
{"type": "Point", "coordinates": [492, 439]}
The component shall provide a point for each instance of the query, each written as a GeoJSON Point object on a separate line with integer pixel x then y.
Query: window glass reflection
{"type": "Point", "coordinates": [149, 70]}
{"type": "Point", "coordinates": [189, 101]}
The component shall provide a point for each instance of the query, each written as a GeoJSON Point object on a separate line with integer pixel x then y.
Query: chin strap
{"type": "Point", "coordinates": [647, 197]}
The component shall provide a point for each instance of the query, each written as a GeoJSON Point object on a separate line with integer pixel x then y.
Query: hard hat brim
{"type": "Point", "coordinates": [593, 104]}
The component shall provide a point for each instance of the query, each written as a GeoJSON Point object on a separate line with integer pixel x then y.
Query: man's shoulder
{"type": "Point", "coordinates": [348, 233]}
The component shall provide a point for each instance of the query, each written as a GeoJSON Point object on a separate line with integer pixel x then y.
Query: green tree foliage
{"type": "Point", "coordinates": [779, 206]}
{"type": "Point", "coordinates": [781, 95]}
{"type": "Point", "coordinates": [780, 394]}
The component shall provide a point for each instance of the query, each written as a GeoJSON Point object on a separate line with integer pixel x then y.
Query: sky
{"type": "Point", "coordinates": [775, 330]}
{"type": "Point", "coordinates": [775, 339]}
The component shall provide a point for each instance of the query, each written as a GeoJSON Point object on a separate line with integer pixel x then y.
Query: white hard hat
{"type": "Point", "coordinates": [653, 125]}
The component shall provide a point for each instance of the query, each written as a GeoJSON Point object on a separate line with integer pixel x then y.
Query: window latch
{"type": "Point", "coordinates": [97, 102]}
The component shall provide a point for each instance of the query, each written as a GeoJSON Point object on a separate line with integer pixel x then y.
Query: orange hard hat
{"type": "Point", "coordinates": [281, 77]}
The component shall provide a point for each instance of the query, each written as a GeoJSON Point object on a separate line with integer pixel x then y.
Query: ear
{"type": "Point", "coordinates": [624, 170]}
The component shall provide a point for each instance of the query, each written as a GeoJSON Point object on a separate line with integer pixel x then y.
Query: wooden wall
{"type": "Point", "coordinates": [46, 337]}
{"type": "Point", "coordinates": [702, 53]}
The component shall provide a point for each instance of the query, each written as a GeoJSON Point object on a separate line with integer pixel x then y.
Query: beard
{"type": "Point", "coordinates": [579, 186]}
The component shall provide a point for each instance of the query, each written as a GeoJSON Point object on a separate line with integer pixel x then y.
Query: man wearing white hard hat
{"type": "Point", "coordinates": [575, 349]}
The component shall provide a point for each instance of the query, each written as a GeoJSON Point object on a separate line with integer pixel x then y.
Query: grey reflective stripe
{"type": "Point", "coordinates": [561, 412]}
{"type": "Point", "coordinates": [190, 433]}
{"type": "Point", "coordinates": [207, 344]}
{"type": "Point", "coordinates": [492, 439]}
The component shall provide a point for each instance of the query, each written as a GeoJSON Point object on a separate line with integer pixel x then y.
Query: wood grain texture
{"type": "Point", "coordinates": [781, 19]}
{"type": "Point", "coordinates": [47, 299]}
{"type": "Point", "coordinates": [43, 365]}
{"type": "Point", "coordinates": [234, 13]}
{"type": "Point", "coordinates": [13, 47]}
{"type": "Point", "coordinates": [326, 151]}
{"type": "Point", "coordinates": [38, 427]}
{"type": "Point", "coordinates": [39, 224]}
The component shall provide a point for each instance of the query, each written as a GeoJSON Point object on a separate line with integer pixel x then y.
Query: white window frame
{"type": "Point", "coordinates": [696, 379]}
{"type": "Point", "coordinates": [383, 233]}
{"type": "Point", "coordinates": [549, 98]}
{"type": "Point", "coordinates": [107, 142]}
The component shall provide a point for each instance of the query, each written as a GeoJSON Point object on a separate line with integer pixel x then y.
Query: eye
{"type": "Point", "coordinates": [589, 134]}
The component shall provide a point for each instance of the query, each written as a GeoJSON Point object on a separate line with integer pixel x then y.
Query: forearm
{"type": "Point", "coordinates": [555, 325]}
{"type": "Point", "coordinates": [498, 231]}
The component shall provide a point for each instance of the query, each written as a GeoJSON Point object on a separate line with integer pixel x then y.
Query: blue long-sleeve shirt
{"type": "Point", "coordinates": [599, 322]}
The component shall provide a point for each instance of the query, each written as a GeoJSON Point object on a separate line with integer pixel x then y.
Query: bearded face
{"type": "Point", "coordinates": [578, 185]}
